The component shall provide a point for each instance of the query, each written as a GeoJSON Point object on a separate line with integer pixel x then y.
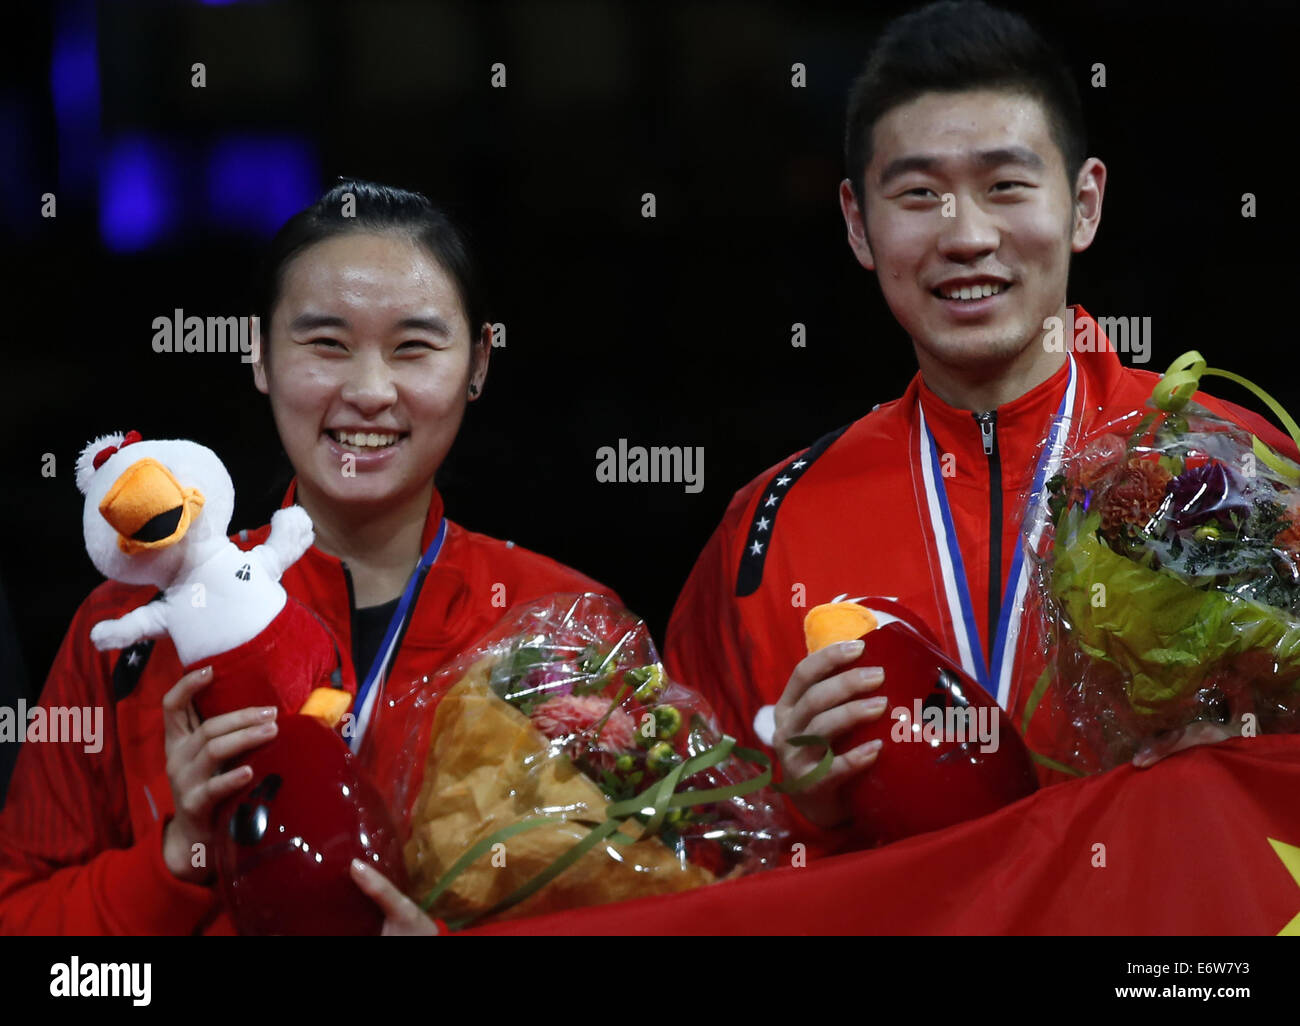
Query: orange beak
{"type": "Point", "coordinates": [148, 507]}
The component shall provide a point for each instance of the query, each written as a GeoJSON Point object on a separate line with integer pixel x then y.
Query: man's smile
{"type": "Point", "coordinates": [971, 287]}
{"type": "Point", "coordinates": [972, 299]}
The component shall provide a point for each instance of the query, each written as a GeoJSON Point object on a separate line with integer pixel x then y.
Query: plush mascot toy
{"type": "Point", "coordinates": [157, 512]}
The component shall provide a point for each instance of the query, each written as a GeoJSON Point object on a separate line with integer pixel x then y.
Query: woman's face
{"type": "Point", "coordinates": [369, 367]}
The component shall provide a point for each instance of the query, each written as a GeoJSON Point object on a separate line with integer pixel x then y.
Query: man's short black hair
{"type": "Point", "coordinates": [955, 47]}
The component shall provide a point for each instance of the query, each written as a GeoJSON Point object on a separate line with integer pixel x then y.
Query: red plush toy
{"type": "Point", "coordinates": [950, 752]}
{"type": "Point", "coordinates": [157, 512]}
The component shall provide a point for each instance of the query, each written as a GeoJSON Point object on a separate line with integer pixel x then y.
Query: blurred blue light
{"type": "Point", "coordinates": [74, 88]}
{"type": "Point", "coordinates": [256, 183]}
{"type": "Point", "coordinates": [20, 198]}
{"type": "Point", "coordinates": [138, 194]}
{"type": "Point", "coordinates": [74, 70]}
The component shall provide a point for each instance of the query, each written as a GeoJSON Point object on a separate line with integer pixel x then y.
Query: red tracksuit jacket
{"type": "Point", "coordinates": [81, 834]}
{"type": "Point", "coordinates": [851, 516]}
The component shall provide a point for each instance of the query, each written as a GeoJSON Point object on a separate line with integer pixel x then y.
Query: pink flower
{"type": "Point", "coordinates": [568, 715]}
{"type": "Point", "coordinates": [1097, 457]}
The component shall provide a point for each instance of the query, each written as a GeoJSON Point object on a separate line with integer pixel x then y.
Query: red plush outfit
{"type": "Point", "coordinates": [850, 517]}
{"type": "Point", "coordinates": [81, 834]}
{"type": "Point", "coordinates": [293, 655]}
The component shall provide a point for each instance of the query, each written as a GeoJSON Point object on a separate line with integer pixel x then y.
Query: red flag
{"type": "Point", "coordinates": [1205, 842]}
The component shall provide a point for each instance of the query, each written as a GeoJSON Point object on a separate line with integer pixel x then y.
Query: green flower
{"type": "Point", "coordinates": [668, 721]}
{"type": "Point", "coordinates": [661, 757]}
{"type": "Point", "coordinates": [648, 681]}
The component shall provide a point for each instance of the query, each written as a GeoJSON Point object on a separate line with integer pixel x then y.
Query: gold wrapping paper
{"type": "Point", "coordinates": [488, 767]}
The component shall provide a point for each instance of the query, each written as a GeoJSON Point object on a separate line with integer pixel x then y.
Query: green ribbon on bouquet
{"type": "Point", "coordinates": [654, 802]}
{"type": "Point", "coordinates": [1182, 379]}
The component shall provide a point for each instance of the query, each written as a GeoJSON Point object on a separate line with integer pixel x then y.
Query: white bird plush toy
{"type": "Point", "coordinates": [157, 512]}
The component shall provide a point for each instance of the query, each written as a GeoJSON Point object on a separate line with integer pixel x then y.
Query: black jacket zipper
{"type": "Point", "coordinates": [988, 423]}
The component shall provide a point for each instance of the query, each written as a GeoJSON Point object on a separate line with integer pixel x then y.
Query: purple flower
{"type": "Point", "coordinates": [1205, 493]}
{"type": "Point", "coordinates": [550, 679]}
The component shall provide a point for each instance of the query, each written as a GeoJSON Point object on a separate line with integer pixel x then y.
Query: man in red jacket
{"type": "Point", "coordinates": [82, 835]}
{"type": "Point", "coordinates": [969, 188]}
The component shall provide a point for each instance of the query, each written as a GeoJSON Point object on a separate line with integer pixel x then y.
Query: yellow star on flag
{"type": "Point", "coordinates": [1290, 856]}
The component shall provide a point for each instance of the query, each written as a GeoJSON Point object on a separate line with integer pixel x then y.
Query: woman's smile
{"type": "Point", "coordinates": [362, 451]}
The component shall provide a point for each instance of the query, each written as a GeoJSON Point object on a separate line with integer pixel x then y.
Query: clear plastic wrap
{"type": "Point", "coordinates": [552, 765]}
{"type": "Point", "coordinates": [1165, 566]}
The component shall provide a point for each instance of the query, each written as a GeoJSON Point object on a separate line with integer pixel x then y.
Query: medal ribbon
{"type": "Point", "coordinates": [364, 703]}
{"type": "Point", "coordinates": [995, 676]}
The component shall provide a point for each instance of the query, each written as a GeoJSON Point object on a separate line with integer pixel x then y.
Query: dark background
{"type": "Point", "coordinates": [673, 331]}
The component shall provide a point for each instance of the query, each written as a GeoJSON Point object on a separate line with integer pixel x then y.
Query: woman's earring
{"type": "Point", "coordinates": [473, 390]}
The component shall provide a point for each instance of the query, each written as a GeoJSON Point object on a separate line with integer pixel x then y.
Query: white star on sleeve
{"type": "Point", "coordinates": [771, 500]}
{"type": "Point", "coordinates": [764, 523]}
{"type": "Point", "coordinates": [799, 465]}
{"type": "Point", "coordinates": [756, 549]}
{"type": "Point", "coordinates": [782, 481]}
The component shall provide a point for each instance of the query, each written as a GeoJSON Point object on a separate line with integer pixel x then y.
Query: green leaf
{"type": "Point", "coordinates": [1167, 636]}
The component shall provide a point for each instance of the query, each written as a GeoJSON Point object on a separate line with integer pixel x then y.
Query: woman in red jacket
{"type": "Point", "coordinates": [374, 343]}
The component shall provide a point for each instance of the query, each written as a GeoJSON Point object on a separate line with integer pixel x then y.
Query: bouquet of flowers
{"type": "Point", "coordinates": [555, 765]}
{"type": "Point", "coordinates": [1167, 557]}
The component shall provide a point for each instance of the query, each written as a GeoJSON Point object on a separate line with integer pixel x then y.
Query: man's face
{"type": "Point", "coordinates": [966, 195]}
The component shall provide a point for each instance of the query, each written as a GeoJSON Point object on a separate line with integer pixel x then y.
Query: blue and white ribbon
{"type": "Point", "coordinates": [367, 691]}
{"type": "Point", "coordinates": [994, 677]}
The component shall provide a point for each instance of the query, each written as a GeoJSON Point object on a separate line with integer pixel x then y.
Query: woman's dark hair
{"type": "Point", "coordinates": [354, 205]}
{"type": "Point", "coordinates": [953, 47]}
